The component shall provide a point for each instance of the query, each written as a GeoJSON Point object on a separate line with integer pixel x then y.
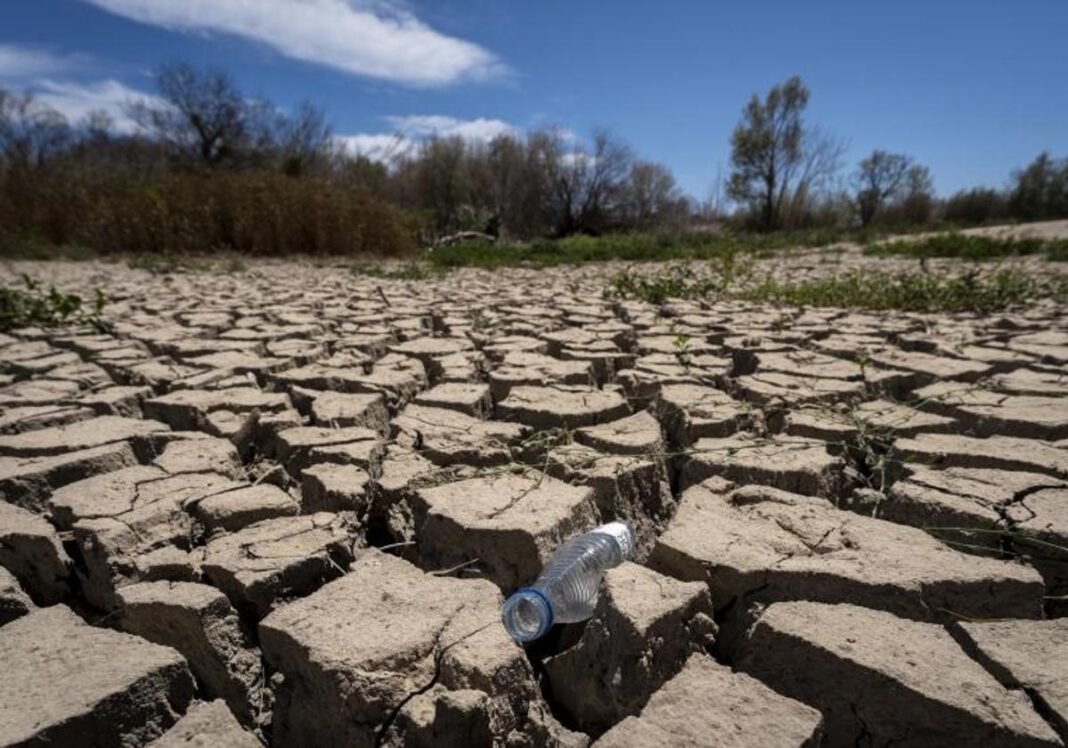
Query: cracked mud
{"type": "Point", "coordinates": [283, 506]}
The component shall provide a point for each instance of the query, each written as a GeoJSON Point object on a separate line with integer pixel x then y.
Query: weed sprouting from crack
{"type": "Point", "coordinates": [548, 439]}
{"type": "Point", "coordinates": [683, 349]}
{"type": "Point", "coordinates": [33, 306]}
{"type": "Point", "coordinates": [873, 446]}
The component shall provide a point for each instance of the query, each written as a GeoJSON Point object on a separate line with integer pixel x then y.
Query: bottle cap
{"type": "Point", "coordinates": [622, 533]}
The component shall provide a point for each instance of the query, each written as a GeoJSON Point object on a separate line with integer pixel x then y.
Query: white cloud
{"type": "Point", "coordinates": [410, 130]}
{"type": "Point", "coordinates": [384, 147]}
{"type": "Point", "coordinates": [18, 61]}
{"type": "Point", "coordinates": [76, 100]}
{"type": "Point", "coordinates": [577, 159]}
{"type": "Point", "coordinates": [426, 125]}
{"type": "Point", "coordinates": [35, 69]}
{"type": "Point", "coordinates": [375, 38]}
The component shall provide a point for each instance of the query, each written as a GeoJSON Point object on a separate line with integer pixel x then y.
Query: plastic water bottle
{"type": "Point", "coordinates": [566, 590]}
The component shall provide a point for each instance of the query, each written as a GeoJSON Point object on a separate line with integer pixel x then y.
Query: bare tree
{"type": "Point", "coordinates": [31, 133]}
{"type": "Point", "coordinates": [584, 183]}
{"type": "Point", "coordinates": [442, 182]}
{"type": "Point", "coordinates": [879, 177]}
{"type": "Point", "coordinates": [98, 126]}
{"type": "Point", "coordinates": [917, 200]}
{"type": "Point", "coordinates": [810, 188]}
{"type": "Point", "coordinates": [651, 196]}
{"type": "Point", "coordinates": [822, 156]}
{"type": "Point", "coordinates": [767, 149]}
{"type": "Point", "coordinates": [518, 187]}
{"type": "Point", "coordinates": [203, 116]}
{"type": "Point", "coordinates": [552, 158]}
{"type": "Point", "coordinates": [303, 140]}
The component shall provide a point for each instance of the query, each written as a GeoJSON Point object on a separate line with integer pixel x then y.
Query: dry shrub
{"type": "Point", "coordinates": [254, 213]}
{"type": "Point", "coordinates": [260, 213]}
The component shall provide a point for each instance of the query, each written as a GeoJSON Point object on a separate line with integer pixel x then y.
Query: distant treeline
{"type": "Point", "coordinates": [208, 167]}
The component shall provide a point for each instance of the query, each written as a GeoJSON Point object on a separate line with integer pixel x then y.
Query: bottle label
{"type": "Point", "coordinates": [622, 534]}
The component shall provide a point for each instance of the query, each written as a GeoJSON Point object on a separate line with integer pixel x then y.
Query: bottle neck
{"type": "Point", "coordinates": [622, 534]}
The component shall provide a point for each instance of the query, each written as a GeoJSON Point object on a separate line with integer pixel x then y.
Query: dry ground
{"type": "Point", "coordinates": [284, 504]}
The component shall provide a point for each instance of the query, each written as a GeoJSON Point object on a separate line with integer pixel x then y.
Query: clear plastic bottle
{"type": "Point", "coordinates": [566, 590]}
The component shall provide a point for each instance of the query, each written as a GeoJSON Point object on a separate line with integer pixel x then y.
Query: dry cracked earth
{"type": "Point", "coordinates": [283, 506]}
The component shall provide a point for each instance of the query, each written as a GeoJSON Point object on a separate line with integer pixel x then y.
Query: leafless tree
{"type": "Point", "coordinates": [98, 126]}
{"type": "Point", "coordinates": [650, 196]}
{"type": "Point", "coordinates": [203, 116]}
{"type": "Point", "coordinates": [821, 161]}
{"type": "Point", "coordinates": [879, 177]}
{"type": "Point", "coordinates": [303, 139]}
{"type": "Point", "coordinates": [917, 201]}
{"type": "Point", "coordinates": [584, 183]}
{"type": "Point", "coordinates": [31, 132]}
{"type": "Point", "coordinates": [810, 188]}
{"type": "Point", "coordinates": [518, 187]}
{"type": "Point", "coordinates": [442, 181]}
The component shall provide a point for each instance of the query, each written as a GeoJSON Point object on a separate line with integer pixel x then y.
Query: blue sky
{"type": "Point", "coordinates": [971, 88]}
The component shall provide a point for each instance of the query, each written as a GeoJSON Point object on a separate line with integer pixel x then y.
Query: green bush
{"type": "Point", "coordinates": [676, 282]}
{"type": "Point", "coordinates": [973, 291]}
{"type": "Point", "coordinates": [966, 247]}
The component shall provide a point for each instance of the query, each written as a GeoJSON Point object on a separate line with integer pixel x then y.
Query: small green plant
{"type": "Point", "coordinates": [33, 306]}
{"type": "Point", "coordinates": [873, 452]}
{"type": "Point", "coordinates": [683, 348]}
{"type": "Point", "coordinates": [863, 361]}
{"type": "Point", "coordinates": [548, 439]}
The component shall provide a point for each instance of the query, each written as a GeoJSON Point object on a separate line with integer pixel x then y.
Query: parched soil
{"type": "Point", "coordinates": [284, 505]}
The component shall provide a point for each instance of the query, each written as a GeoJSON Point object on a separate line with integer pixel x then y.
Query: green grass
{"type": "Point", "coordinates": [964, 247]}
{"type": "Point", "coordinates": [1058, 252]}
{"type": "Point", "coordinates": [972, 291]}
{"type": "Point", "coordinates": [632, 247]}
{"type": "Point", "coordinates": [33, 306]}
{"type": "Point", "coordinates": [679, 280]}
